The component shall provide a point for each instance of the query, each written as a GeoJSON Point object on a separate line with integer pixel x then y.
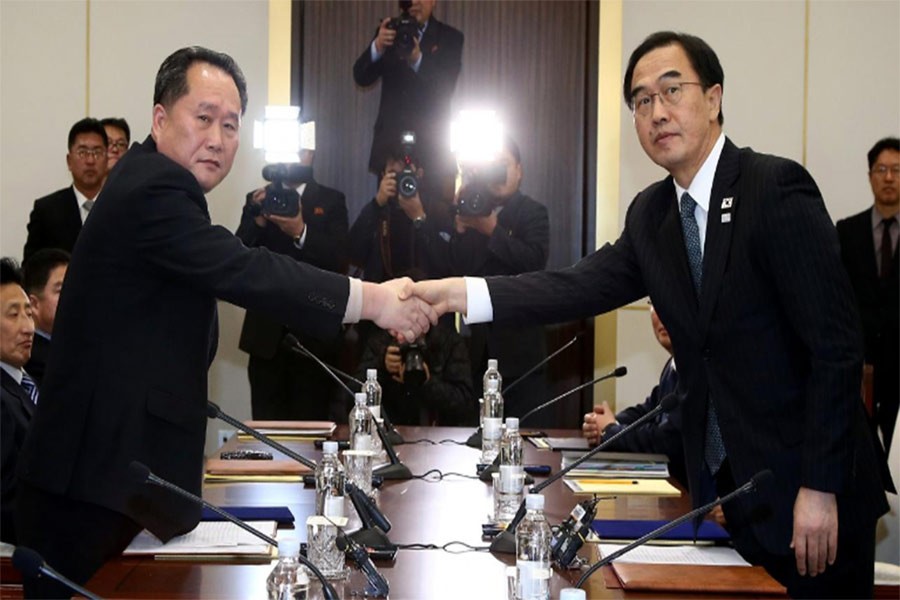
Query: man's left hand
{"type": "Point", "coordinates": [290, 226]}
{"type": "Point", "coordinates": [483, 225]}
{"type": "Point", "coordinates": [815, 536]}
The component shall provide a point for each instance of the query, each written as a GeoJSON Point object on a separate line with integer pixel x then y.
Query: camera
{"type": "Point", "coordinates": [407, 30]}
{"type": "Point", "coordinates": [412, 356]}
{"type": "Point", "coordinates": [407, 182]}
{"type": "Point", "coordinates": [281, 200]}
{"type": "Point", "coordinates": [475, 197]}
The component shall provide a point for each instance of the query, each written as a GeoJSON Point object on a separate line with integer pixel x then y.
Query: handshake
{"type": "Point", "coordinates": [407, 309]}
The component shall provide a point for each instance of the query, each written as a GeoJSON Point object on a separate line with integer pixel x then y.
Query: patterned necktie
{"type": "Point", "coordinates": [88, 205]}
{"type": "Point", "coordinates": [30, 387]}
{"type": "Point", "coordinates": [887, 248]}
{"type": "Point", "coordinates": [714, 449]}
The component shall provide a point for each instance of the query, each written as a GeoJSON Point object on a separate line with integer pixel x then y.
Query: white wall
{"type": "Point", "coordinates": [47, 49]}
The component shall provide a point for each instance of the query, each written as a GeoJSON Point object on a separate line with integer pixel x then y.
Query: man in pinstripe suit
{"type": "Point", "coordinates": [742, 262]}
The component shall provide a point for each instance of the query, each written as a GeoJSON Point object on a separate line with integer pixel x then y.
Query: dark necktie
{"type": "Point", "coordinates": [30, 387]}
{"type": "Point", "coordinates": [887, 248]}
{"type": "Point", "coordinates": [88, 205]}
{"type": "Point", "coordinates": [713, 448]}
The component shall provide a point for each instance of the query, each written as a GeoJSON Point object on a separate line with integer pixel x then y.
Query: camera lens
{"type": "Point", "coordinates": [408, 186]}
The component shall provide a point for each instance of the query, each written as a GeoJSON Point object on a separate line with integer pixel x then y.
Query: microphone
{"type": "Point", "coordinates": [474, 440]}
{"type": "Point", "coordinates": [214, 412]}
{"type": "Point", "coordinates": [375, 525]}
{"type": "Point", "coordinates": [570, 537]}
{"type": "Point", "coordinates": [32, 565]}
{"type": "Point", "coordinates": [505, 542]}
{"type": "Point", "coordinates": [378, 585]}
{"type": "Point", "coordinates": [618, 372]}
{"type": "Point", "coordinates": [395, 470]}
{"type": "Point", "coordinates": [292, 343]}
{"type": "Point", "coordinates": [141, 474]}
{"type": "Point", "coordinates": [762, 478]}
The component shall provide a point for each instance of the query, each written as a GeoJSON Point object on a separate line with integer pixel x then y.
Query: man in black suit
{"type": "Point", "coordinates": [136, 330]}
{"type": "Point", "coordinates": [56, 219]}
{"type": "Point", "coordinates": [119, 135]}
{"type": "Point", "coordinates": [869, 250]}
{"type": "Point", "coordinates": [661, 435]}
{"type": "Point", "coordinates": [44, 273]}
{"type": "Point", "coordinates": [743, 265]}
{"type": "Point", "coordinates": [513, 238]}
{"type": "Point", "coordinates": [416, 90]}
{"type": "Point", "coordinates": [18, 392]}
{"type": "Point", "coordinates": [284, 384]}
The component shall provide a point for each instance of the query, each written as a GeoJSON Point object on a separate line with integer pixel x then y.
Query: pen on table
{"type": "Point", "coordinates": [616, 481]}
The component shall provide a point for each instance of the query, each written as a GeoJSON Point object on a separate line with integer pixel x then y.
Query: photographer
{"type": "Point", "coordinates": [418, 59]}
{"type": "Point", "coordinates": [512, 238]}
{"type": "Point", "coordinates": [427, 383]}
{"type": "Point", "coordinates": [283, 384]}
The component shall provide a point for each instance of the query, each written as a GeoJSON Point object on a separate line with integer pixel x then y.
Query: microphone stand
{"type": "Point", "coordinates": [495, 466]}
{"type": "Point", "coordinates": [751, 486]}
{"type": "Point", "coordinates": [142, 474]}
{"type": "Point", "coordinates": [374, 523]}
{"type": "Point", "coordinates": [505, 541]}
{"type": "Point", "coordinates": [395, 470]}
{"type": "Point", "coordinates": [31, 564]}
{"type": "Point", "coordinates": [474, 440]}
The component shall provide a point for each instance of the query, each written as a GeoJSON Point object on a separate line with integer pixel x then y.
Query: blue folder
{"type": "Point", "coordinates": [281, 514]}
{"type": "Point", "coordinates": [625, 529]}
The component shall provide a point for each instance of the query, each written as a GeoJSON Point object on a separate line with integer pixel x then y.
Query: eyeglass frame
{"type": "Point", "coordinates": [883, 170]}
{"type": "Point", "coordinates": [95, 153]}
{"type": "Point", "coordinates": [679, 85]}
{"type": "Point", "coordinates": [120, 145]}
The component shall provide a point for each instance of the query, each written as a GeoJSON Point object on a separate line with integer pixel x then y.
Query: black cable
{"type": "Point", "coordinates": [441, 475]}
{"type": "Point", "coordinates": [421, 441]}
{"type": "Point", "coordinates": [446, 547]}
{"type": "Point", "coordinates": [449, 441]}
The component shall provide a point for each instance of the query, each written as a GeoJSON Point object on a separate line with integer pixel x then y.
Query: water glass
{"type": "Point", "coordinates": [508, 495]}
{"type": "Point", "coordinates": [358, 467]}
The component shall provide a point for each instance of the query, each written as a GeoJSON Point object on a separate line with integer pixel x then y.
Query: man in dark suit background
{"type": "Point", "coordinates": [513, 238]}
{"type": "Point", "coordinates": [119, 135]}
{"type": "Point", "coordinates": [137, 329]}
{"type": "Point", "coordinates": [743, 265]}
{"type": "Point", "coordinates": [56, 219]}
{"type": "Point", "coordinates": [416, 89]}
{"type": "Point", "coordinates": [869, 251]}
{"type": "Point", "coordinates": [18, 392]}
{"type": "Point", "coordinates": [284, 384]}
{"type": "Point", "coordinates": [44, 273]}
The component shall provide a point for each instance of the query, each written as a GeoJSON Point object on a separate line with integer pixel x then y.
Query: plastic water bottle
{"type": "Point", "coordinates": [360, 424]}
{"type": "Point", "coordinates": [490, 439]}
{"type": "Point", "coordinates": [492, 374]}
{"type": "Point", "coordinates": [330, 481]}
{"type": "Point", "coordinates": [372, 390]}
{"type": "Point", "coordinates": [511, 446]}
{"type": "Point", "coordinates": [533, 551]}
{"type": "Point", "coordinates": [493, 400]}
{"type": "Point", "coordinates": [289, 579]}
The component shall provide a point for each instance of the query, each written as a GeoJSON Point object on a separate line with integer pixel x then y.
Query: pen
{"type": "Point", "coordinates": [616, 481]}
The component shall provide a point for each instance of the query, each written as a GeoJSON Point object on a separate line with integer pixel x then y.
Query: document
{"type": "Point", "coordinates": [722, 556]}
{"type": "Point", "coordinates": [209, 537]}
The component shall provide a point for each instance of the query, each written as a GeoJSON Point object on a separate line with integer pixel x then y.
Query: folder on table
{"type": "Point", "coordinates": [632, 529]}
{"type": "Point", "coordinates": [623, 487]}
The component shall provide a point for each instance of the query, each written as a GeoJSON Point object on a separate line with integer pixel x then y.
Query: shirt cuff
{"type": "Point", "coordinates": [354, 301]}
{"type": "Point", "coordinates": [478, 301]}
{"type": "Point", "coordinates": [298, 242]}
{"type": "Point", "coordinates": [373, 52]}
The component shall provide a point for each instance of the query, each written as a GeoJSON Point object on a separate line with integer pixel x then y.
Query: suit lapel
{"type": "Point", "coordinates": [865, 240]}
{"type": "Point", "coordinates": [723, 208]}
{"type": "Point", "coordinates": [73, 213]}
{"type": "Point", "coordinates": [18, 392]}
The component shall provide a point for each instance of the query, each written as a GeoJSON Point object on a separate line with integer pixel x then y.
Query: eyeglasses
{"type": "Point", "coordinates": [95, 153]}
{"type": "Point", "coordinates": [120, 145]}
{"type": "Point", "coordinates": [642, 102]}
{"type": "Point", "coordinates": [882, 170]}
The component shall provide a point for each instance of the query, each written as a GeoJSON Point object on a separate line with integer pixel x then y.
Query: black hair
{"type": "Point", "coordinates": [703, 60]}
{"type": "Point", "coordinates": [37, 268]}
{"type": "Point", "coordinates": [888, 143]}
{"type": "Point", "coordinates": [87, 125]}
{"type": "Point", "coordinates": [118, 124]}
{"type": "Point", "coordinates": [171, 79]}
{"type": "Point", "coordinates": [10, 271]}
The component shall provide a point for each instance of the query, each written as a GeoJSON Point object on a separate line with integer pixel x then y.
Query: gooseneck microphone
{"type": "Point", "coordinates": [141, 474]}
{"type": "Point", "coordinates": [378, 585]}
{"type": "Point", "coordinates": [373, 533]}
{"type": "Point", "coordinates": [505, 542]}
{"type": "Point", "coordinates": [762, 478]}
{"type": "Point", "coordinates": [32, 565]}
{"type": "Point", "coordinates": [618, 372]}
{"type": "Point", "coordinates": [214, 412]}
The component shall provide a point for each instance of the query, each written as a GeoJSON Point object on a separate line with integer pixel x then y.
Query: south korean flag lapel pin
{"type": "Point", "coordinates": [727, 208]}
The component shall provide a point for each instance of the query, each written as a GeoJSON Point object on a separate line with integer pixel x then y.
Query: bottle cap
{"type": "Point", "coordinates": [289, 546]}
{"type": "Point", "coordinates": [371, 373]}
{"type": "Point", "coordinates": [534, 502]}
{"type": "Point", "coordinates": [572, 594]}
{"type": "Point", "coordinates": [492, 363]}
{"type": "Point", "coordinates": [330, 447]}
{"type": "Point", "coordinates": [360, 398]}
{"type": "Point", "coordinates": [512, 423]}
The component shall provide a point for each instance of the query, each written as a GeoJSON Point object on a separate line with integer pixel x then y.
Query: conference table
{"type": "Point", "coordinates": [421, 512]}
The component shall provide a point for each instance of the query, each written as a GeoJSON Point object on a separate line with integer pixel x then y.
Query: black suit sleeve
{"type": "Point", "coordinates": [363, 233]}
{"type": "Point", "coordinates": [366, 72]}
{"type": "Point", "coordinates": [528, 247]}
{"type": "Point", "coordinates": [326, 243]}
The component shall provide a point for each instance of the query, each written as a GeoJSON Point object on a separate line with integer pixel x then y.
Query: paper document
{"type": "Point", "coordinates": [678, 555]}
{"type": "Point", "coordinates": [623, 487]}
{"type": "Point", "coordinates": [209, 537]}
